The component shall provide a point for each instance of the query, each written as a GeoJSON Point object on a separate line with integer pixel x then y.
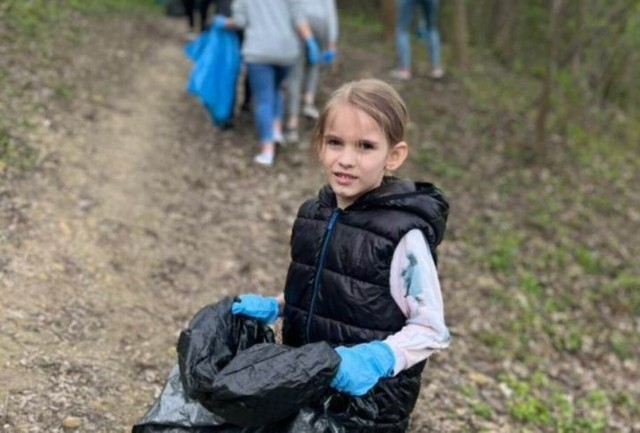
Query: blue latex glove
{"type": "Point", "coordinates": [263, 308]}
{"type": "Point", "coordinates": [313, 50]}
{"type": "Point", "coordinates": [361, 367]}
{"type": "Point", "coordinates": [329, 56]}
{"type": "Point", "coordinates": [220, 22]}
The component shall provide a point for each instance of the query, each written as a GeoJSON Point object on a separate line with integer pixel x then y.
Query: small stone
{"type": "Point", "coordinates": [479, 378]}
{"type": "Point", "coordinates": [506, 390]}
{"type": "Point", "coordinates": [71, 422]}
{"type": "Point", "coordinates": [266, 216]}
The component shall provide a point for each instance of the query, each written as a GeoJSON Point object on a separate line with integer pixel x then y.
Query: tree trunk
{"type": "Point", "coordinates": [548, 84]}
{"type": "Point", "coordinates": [506, 19]}
{"type": "Point", "coordinates": [389, 18]}
{"type": "Point", "coordinates": [480, 22]}
{"type": "Point", "coordinates": [460, 35]}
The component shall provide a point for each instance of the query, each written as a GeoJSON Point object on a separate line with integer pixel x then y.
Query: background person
{"type": "Point", "coordinates": [270, 47]}
{"type": "Point", "coordinates": [189, 10]}
{"type": "Point", "coordinates": [302, 82]}
{"type": "Point", "coordinates": [405, 12]}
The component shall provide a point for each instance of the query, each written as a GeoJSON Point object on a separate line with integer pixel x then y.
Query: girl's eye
{"type": "Point", "coordinates": [366, 145]}
{"type": "Point", "coordinates": [333, 142]}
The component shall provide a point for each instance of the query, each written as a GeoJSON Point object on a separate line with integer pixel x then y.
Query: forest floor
{"type": "Point", "coordinates": [137, 212]}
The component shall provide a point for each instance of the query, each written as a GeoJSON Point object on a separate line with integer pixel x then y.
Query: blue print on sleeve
{"type": "Point", "coordinates": [411, 277]}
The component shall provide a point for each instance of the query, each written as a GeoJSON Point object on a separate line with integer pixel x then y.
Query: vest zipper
{"type": "Point", "coordinates": [316, 280]}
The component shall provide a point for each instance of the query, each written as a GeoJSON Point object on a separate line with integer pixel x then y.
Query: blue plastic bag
{"type": "Point", "coordinates": [216, 57]}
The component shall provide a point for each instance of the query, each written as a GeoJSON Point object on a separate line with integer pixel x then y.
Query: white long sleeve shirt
{"type": "Point", "coordinates": [416, 289]}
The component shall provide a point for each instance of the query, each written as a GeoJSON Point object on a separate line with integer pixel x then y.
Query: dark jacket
{"type": "Point", "coordinates": [337, 286]}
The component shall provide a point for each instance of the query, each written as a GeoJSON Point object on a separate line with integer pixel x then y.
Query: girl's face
{"type": "Point", "coordinates": [355, 153]}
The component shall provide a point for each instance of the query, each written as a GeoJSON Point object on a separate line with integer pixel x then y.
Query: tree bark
{"type": "Point", "coordinates": [460, 35]}
{"type": "Point", "coordinates": [549, 80]}
{"type": "Point", "coordinates": [506, 19]}
{"type": "Point", "coordinates": [389, 18]}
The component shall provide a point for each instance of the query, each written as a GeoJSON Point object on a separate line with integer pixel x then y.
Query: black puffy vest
{"type": "Point", "coordinates": [337, 287]}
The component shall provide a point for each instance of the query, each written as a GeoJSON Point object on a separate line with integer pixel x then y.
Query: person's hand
{"type": "Point", "coordinates": [263, 308]}
{"type": "Point", "coordinates": [313, 50]}
{"type": "Point", "coordinates": [329, 56]}
{"type": "Point", "coordinates": [220, 22]}
{"type": "Point", "coordinates": [362, 366]}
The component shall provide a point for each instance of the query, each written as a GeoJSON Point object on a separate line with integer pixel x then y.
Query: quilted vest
{"type": "Point", "coordinates": [337, 287]}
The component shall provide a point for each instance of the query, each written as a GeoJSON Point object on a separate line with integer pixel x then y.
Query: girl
{"type": "Point", "coordinates": [362, 275]}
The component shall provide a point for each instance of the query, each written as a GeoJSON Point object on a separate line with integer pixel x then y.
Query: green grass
{"type": "Point", "coordinates": [441, 166]}
{"type": "Point", "coordinates": [482, 410]}
{"type": "Point", "coordinates": [43, 9]}
{"type": "Point", "coordinates": [15, 153]}
{"type": "Point", "coordinates": [33, 26]}
{"type": "Point", "coordinates": [504, 249]}
{"type": "Point", "coordinates": [363, 20]}
{"type": "Point", "coordinates": [536, 401]}
{"type": "Point", "coordinates": [621, 294]}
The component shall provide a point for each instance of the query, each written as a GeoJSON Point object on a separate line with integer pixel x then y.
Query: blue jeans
{"type": "Point", "coordinates": [405, 12]}
{"type": "Point", "coordinates": [265, 82]}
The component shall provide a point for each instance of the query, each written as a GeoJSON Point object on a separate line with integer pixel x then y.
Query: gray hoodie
{"type": "Point", "coordinates": [323, 18]}
{"type": "Point", "coordinates": [270, 35]}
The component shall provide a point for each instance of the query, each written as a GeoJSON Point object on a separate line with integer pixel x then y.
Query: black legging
{"type": "Point", "coordinates": [189, 6]}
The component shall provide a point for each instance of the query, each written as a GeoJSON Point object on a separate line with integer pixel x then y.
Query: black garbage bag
{"type": "Point", "coordinates": [270, 382]}
{"type": "Point", "coordinates": [232, 366]}
{"type": "Point", "coordinates": [338, 413]}
{"type": "Point", "coordinates": [232, 378]}
{"type": "Point", "coordinates": [211, 341]}
{"type": "Point", "coordinates": [174, 412]}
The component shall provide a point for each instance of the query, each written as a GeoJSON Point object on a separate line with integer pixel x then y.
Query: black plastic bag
{"type": "Point", "coordinates": [174, 412]}
{"type": "Point", "coordinates": [338, 413]}
{"type": "Point", "coordinates": [211, 341]}
{"type": "Point", "coordinates": [224, 367]}
{"type": "Point", "coordinates": [270, 382]}
{"type": "Point", "coordinates": [233, 378]}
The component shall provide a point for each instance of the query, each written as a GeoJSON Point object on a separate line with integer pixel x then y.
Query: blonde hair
{"type": "Point", "coordinates": [374, 97]}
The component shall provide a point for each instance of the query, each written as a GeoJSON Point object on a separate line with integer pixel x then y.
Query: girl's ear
{"type": "Point", "coordinates": [397, 155]}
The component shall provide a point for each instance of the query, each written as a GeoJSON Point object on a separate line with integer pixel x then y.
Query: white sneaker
{"type": "Point", "coordinates": [437, 73]}
{"type": "Point", "coordinates": [310, 111]}
{"type": "Point", "coordinates": [265, 158]}
{"type": "Point", "coordinates": [400, 74]}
